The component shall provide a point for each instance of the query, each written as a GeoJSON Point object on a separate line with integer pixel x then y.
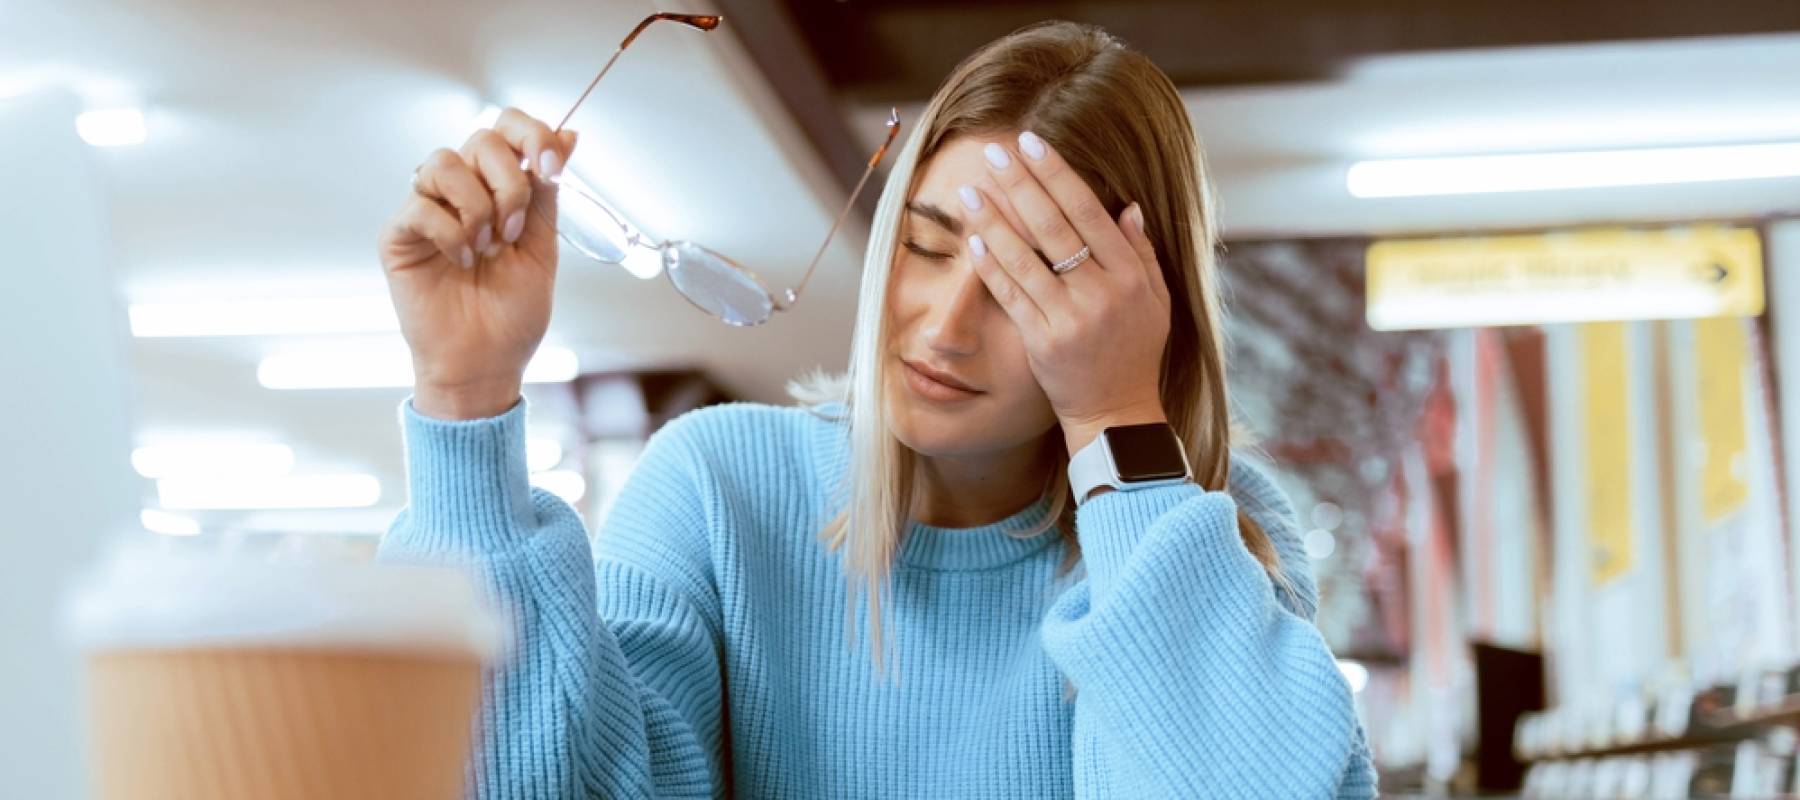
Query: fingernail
{"type": "Point", "coordinates": [492, 250]}
{"type": "Point", "coordinates": [484, 238]}
{"type": "Point", "coordinates": [1032, 145]}
{"type": "Point", "coordinates": [515, 225]}
{"type": "Point", "coordinates": [996, 155]}
{"type": "Point", "coordinates": [468, 257]}
{"type": "Point", "coordinates": [1135, 216]}
{"type": "Point", "coordinates": [977, 246]}
{"type": "Point", "coordinates": [971, 199]}
{"type": "Point", "coordinates": [549, 165]}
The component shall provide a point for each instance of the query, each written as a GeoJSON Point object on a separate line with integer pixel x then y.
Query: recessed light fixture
{"type": "Point", "coordinates": [1417, 177]}
{"type": "Point", "coordinates": [113, 127]}
{"type": "Point", "coordinates": [276, 317]}
{"type": "Point", "coordinates": [285, 491]}
{"type": "Point", "coordinates": [186, 459]}
{"type": "Point", "coordinates": [385, 367]}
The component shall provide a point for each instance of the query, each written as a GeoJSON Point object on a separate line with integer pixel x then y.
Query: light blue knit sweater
{"type": "Point", "coordinates": [701, 647]}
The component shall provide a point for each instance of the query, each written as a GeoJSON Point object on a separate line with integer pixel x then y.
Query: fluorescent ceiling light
{"type": "Point", "coordinates": [287, 491]}
{"type": "Point", "coordinates": [564, 483]}
{"type": "Point", "coordinates": [489, 115]}
{"type": "Point", "coordinates": [183, 459]}
{"type": "Point", "coordinates": [168, 524]}
{"type": "Point", "coordinates": [1414, 177]}
{"type": "Point", "coordinates": [113, 127]}
{"type": "Point", "coordinates": [542, 453]}
{"type": "Point", "coordinates": [381, 368]}
{"type": "Point", "coordinates": [290, 317]}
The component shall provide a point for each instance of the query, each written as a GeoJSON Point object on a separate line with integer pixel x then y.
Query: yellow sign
{"type": "Point", "coordinates": [1605, 366]}
{"type": "Point", "coordinates": [1721, 351]}
{"type": "Point", "coordinates": [1568, 276]}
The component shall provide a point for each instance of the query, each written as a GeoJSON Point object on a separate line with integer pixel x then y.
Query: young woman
{"type": "Point", "coordinates": [904, 589]}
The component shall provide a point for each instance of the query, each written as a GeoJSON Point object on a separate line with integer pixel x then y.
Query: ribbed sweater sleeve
{"type": "Point", "coordinates": [612, 688]}
{"type": "Point", "coordinates": [1192, 677]}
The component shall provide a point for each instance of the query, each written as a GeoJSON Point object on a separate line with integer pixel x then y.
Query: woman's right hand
{"type": "Point", "coordinates": [471, 266]}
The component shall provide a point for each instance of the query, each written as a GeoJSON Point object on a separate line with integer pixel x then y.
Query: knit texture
{"type": "Point", "coordinates": [703, 645]}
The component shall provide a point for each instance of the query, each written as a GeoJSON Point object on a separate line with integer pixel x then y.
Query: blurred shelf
{"type": "Point", "coordinates": [1719, 728]}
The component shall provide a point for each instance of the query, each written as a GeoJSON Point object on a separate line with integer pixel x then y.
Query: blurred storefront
{"type": "Point", "coordinates": [1547, 502]}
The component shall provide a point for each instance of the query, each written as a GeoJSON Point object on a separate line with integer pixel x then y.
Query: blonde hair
{"type": "Point", "coordinates": [1121, 125]}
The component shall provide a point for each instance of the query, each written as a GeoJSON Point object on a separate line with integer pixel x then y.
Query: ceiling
{"type": "Point", "coordinates": [281, 136]}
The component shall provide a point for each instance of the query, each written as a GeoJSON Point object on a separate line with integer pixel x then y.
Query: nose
{"type": "Point", "coordinates": [953, 327]}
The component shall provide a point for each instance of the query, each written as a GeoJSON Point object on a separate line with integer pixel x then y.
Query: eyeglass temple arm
{"type": "Point", "coordinates": [893, 125]}
{"type": "Point", "coordinates": [705, 22]}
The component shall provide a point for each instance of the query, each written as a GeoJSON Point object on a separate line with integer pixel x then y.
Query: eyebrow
{"type": "Point", "coordinates": [936, 215]}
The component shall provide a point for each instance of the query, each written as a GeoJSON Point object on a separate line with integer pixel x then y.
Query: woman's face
{"type": "Point", "coordinates": [958, 382]}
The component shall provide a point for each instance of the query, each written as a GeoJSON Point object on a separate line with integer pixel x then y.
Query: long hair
{"type": "Point", "coordinates": [1119, 123]}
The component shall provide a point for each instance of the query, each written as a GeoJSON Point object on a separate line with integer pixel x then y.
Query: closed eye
{"type": "Point", "coordinates": [930, 255]}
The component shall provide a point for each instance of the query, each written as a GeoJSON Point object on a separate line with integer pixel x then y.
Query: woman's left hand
{"type": "Point", "coordinates": [1095, 334]}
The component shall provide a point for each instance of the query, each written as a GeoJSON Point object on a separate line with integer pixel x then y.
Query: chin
{"type": "Point", "coordinates": [981, 426]}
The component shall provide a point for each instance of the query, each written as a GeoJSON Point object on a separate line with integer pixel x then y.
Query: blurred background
{"type": "Point", "coordinates": [1514, 314]}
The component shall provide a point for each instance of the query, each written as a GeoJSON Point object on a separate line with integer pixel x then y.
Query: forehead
{"type": "Point", "coordinates": [959, 161]}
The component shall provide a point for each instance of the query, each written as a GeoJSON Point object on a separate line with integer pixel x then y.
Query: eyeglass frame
{"type": "Point", "coordinates": [633, 238]}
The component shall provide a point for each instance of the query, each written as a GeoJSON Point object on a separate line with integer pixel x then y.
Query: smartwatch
{"type": "Point", "coordinates": [1127, 458]}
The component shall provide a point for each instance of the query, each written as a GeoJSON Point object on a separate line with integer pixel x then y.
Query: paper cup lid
{"type": "Point", "coordinates": [140, 600]}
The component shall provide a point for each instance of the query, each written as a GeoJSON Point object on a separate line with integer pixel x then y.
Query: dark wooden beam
{"type": "Point", "coordinates": [781, 52]}
{"type": "Point", "coordinates": [883, 51]}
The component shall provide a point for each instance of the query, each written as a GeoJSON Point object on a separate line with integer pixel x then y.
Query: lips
{"type": "Point", "coordinates": [936, 384]}
{"type": "Point", "coordinates": [942, 377]}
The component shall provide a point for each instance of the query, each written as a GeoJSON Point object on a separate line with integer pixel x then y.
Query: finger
{"type": "Point", "coordinates": [445, 176]}
{"type": "Point", "coordinates": [1131, 221]}
{"type": "Point", "coordinates": [1044, 221]}
{"type": "Point", "coordinates": [498, 167]}
{"type": "Point", "coordinates": [1006, 291]}
{"type": "Point", "coordinates": [1080, 206]}
{"type": "Point", "coordinates": [1008, 249]}
{"type": "Point", "coordinates": [539, 148]}
{"type": "Point", "coordinates": [423, 218]}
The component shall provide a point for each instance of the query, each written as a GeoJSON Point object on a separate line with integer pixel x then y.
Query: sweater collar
{"type": "Point", "coordinates": [982, 547]}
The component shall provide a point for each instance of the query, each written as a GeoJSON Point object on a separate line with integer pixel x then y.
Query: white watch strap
{"type": "Point", "coordinates": [1091, 468]}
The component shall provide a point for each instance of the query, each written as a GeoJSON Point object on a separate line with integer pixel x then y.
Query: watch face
{"type": "Point", "coordinates": [1145, 452]}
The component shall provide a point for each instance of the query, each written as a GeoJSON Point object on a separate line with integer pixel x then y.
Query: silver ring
{"type": "Point", "coordinates": [1071, 262]}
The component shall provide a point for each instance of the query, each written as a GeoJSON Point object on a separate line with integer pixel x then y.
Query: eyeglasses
{"type": "Point", "coordinates": [712, 282]}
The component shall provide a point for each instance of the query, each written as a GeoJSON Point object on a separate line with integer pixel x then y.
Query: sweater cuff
{"type": "Point", "coordinates": [1110, 526]}
{"type": "Point", "coordinates": [469, 489]}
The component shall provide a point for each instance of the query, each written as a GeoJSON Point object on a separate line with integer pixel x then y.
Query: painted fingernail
{"type": "Point", "coordinates": [484, 238]}
{"type": "Point", "coordinates": [996, 155]}
{"type": "Point", "coordinates": [1032, 145]}
{"type": "Point", "coordinates": [977, 246]}
{"type": "Point", "coordinates": [971, 199]}
{"type": "Point", "coordinates": [468, 257]}
{"type": "Point", "coordinates": [492, 250]}
{"type": "Point", "coordinates": [549, 165]}
{"type": "Point", "coordinates": [1135, 216]}
{"type": "Point", "coordinates": [515, 225]}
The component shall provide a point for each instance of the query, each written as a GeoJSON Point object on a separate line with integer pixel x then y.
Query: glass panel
{"type": "Point", "coordinates": [716, 285]}
{"type": "Point", "coordinates": [588, 227]}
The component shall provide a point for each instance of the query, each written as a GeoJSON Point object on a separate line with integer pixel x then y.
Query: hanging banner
{"type": "Point", "coordinates": [1606, 386]}
{"type": "Point", "coordinates": [1565, 276]}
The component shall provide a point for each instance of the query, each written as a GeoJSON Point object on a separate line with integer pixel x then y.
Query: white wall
{"type": "Point", "coordinates": [66, 479]}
